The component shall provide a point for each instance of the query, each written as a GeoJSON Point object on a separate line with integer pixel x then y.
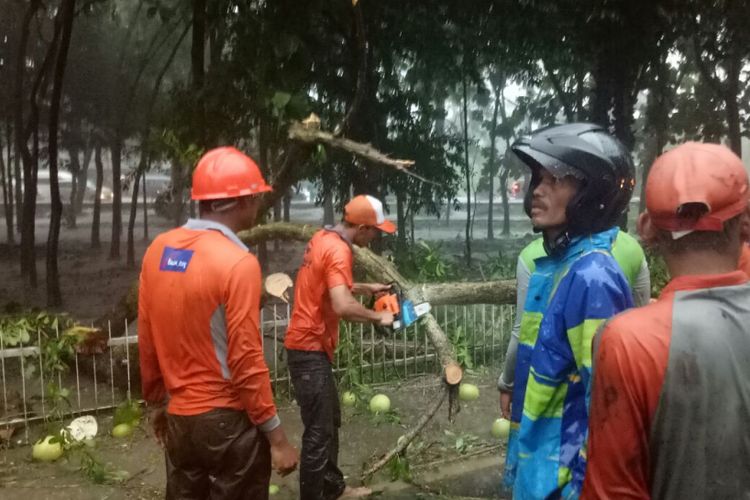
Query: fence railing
{"type": "Point", "coordinates": [91, 383]}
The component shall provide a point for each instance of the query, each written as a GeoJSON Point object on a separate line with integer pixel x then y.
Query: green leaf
{"type": "Point", "coordinates": [280, 100]}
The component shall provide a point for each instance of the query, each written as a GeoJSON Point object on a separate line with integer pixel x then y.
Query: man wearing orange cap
{"type": "Point", "coordinates": [671, 398]}
{"type": "Point", "coordinates": [201, 359]}
{"type": "Point", "coordinates": [322, 296]}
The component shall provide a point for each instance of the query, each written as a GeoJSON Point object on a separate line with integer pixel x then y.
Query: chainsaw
{"type": "Point", "coordinates": [405, 312]}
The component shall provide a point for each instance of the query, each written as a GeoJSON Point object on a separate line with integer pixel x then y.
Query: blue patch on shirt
{"type": "Point", "coordinates": [175, 259]}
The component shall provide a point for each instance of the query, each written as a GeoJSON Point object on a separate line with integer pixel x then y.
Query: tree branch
{"type": "Point", "coordinates": [300, 133]}
{"type": "Point", "coordinates": [407, 438]}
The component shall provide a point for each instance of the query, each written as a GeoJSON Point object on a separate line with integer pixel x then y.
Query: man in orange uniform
{"type": "Point", "coordinates": [671, 399]}
{"type": "Point", "coordinates": [202, 366]}
{"type": "Point", "coordinates": [322, 296]}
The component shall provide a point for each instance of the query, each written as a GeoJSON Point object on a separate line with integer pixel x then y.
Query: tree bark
{"type": "Point", "coordinates": [66, 15]}
{"type": "Point", "coordinates": [95, 224]}
{"type": "Point", "coordinates": [459, 293]}
{"type": "Point", "coordinates": [10, 198]}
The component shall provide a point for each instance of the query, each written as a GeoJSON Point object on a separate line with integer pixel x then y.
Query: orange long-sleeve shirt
{"type": "Point", "coordinates": [198, 324]}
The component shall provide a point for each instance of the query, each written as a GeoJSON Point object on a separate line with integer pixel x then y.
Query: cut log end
{"type": "Point", "coordinates": [453, 373]}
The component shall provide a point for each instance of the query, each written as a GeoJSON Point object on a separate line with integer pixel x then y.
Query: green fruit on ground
{"type": "Point", "coordinates": [348, 398]}
{"type": "Point", "coordinates": [122, 430]}
{"type": "Point", "coordinates": [273, 489]}
{"type": "Point", "coordinates": [380, 403]}
{"type": "Point", "coordinates": [501, 428]}
{"type": "Point", "coordinates": [44, 451]}
{"type": "Point", "coordinates": [468, 392]}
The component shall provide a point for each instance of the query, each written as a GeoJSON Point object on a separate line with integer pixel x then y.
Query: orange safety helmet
{"type": "Point", "coordinates": [226, 172]}
{"type": "Point", "coordinates": [707, 175]}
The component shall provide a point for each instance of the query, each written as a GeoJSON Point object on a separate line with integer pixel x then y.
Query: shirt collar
{"type": "Point", "coordinates": [205, 225]}
{"type": "Point", "coordinates": [332, 229]}
{"type": "Point", "coordinates": [699, 281]}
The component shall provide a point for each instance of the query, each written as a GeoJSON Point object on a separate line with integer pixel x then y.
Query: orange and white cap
{"type": "Point", "coordinates": [367, 210]}
{"type": "Point", "coordinates": [709, 176]}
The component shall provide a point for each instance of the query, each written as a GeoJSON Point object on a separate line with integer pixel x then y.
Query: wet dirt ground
{"type": "Point", "coordinates": [459, 460]}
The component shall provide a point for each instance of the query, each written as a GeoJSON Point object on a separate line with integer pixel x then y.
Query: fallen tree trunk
{"type": "Point", "coordinates": [483, 292]}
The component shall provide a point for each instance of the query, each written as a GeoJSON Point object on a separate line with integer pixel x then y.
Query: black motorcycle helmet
{"type": "Point", "coordinates": [599, 161]}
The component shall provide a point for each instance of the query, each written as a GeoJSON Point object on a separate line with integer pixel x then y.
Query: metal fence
{"type": "Point", "coordinates": [92, 383]}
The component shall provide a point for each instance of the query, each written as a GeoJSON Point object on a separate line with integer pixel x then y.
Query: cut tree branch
{"type": "Point", "coordinates": [301, 133]}
{"type": "Point", "coordinates": [460, 293]}
{"type": "Point", "coordinates": [407, 438]}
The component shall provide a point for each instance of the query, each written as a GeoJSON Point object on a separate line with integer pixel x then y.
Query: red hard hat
{"type": "Point", "coordinates": [226, 173]}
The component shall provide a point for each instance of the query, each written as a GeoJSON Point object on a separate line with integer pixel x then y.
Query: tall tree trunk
{"type": "Point", "coordinates": [265, 168]}
{"type": "Point", "coordinates": [328, 214]}
{"type": "Point", "coordinates": [75, 188]}
{"type": "Point", "coordinates": [66, 13]}
{"type": "Point", "coordinates": [657, 121]}
{"type": "Point", "coordinates": [178, 202]}
{"type": "Point", "coordinates": [145, 208]}
{"type": "Point", "coordinates": [504, 167]}
{"type": "Point", "coordinates": [95, 224]}
{"type": "Point", "coordinates": [83, 177]}
{"type": "Point", "coordinates": [288, 205]}
{"type": "Point", "coordinates": [17, 181]}
{"type": "Point", "coordinates": [492, 169]}
{"type": "Point", "coordinates": [411, 225]}
{"type": "Point", "coordinates": [733, 118]}
{"type": "Point", "coordinates": [28, 251]}
{"type": "Point", "coordinates": [5, 178]}
{"type": "Point", "coordinates": [277, 218]}
{"type": "Point", "coordinates": [9, 194]}
{"type": "Point", "coordinates": [116, 152]}
{"type": "Point", "coordinates": [504, 197]}
{"type": "Point", "coordinates": [197, 66]}
{"type": "Point", "coordinates": [131, 220]}
{"type": "Point", "coordinates": [467, 172]}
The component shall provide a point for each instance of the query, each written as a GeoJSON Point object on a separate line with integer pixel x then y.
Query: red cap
{"type": "Point", "coordinates": [226, 173]}
{"type": "Point", "coordinates": [695, 173]}
{"type": "Point", "coordinates": [368, 211]}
